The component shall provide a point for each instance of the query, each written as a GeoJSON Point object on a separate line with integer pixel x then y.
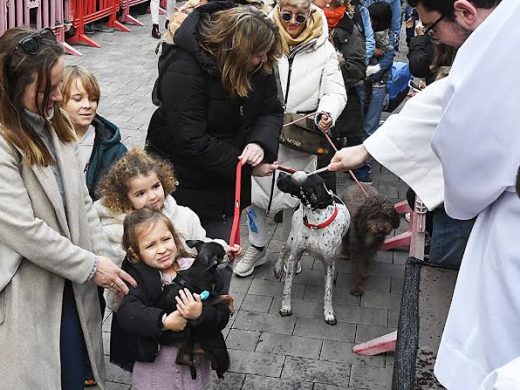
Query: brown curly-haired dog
{"type": "Point", "coordinates": [372, 219]}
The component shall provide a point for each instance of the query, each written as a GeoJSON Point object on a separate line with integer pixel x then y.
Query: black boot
{"type": "Point", "coordinates": [155, 31]}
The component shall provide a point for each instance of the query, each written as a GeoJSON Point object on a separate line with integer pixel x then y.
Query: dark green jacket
{"type": "Point", "coordinates": [107, 149]}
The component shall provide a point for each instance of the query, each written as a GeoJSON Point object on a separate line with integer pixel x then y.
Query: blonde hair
{"type": "Point", "coordinates": [232, 36]}
{"type": "Point", "coordinates": [113, 186]}
{"type": "Point", "coordinates": [72, 74]}
{"type": "Point", "coordinates": [18, 70]}
{"type": "Point", "coordinates": [138, 220]}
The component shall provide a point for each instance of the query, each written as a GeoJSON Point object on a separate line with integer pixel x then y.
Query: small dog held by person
{"type": "Point", "coordinates": [372, 219]}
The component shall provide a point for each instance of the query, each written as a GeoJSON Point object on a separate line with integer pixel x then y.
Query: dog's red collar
{"type": "Point", "coordinates": [323, 224]}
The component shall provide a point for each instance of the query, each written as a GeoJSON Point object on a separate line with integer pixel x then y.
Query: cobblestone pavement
{"type": "Point", "coordinates": [267, 351]}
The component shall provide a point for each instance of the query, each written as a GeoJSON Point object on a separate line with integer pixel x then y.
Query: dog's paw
{"type": "Point", "coordinates": [285, 311]}
{"type": "Point", "coordinates": [357, 291]}
{"type": "Point", "coordinates": [330, 319]}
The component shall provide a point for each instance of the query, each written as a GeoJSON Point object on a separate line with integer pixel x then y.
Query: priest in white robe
{"type": "Point", "coordinates": [478, 144]}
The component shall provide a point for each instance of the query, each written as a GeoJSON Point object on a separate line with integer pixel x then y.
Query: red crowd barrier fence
{"type": "Point", "coordinates": [87, 11]}
{"type": "Point", "coordinates": [36, 14]}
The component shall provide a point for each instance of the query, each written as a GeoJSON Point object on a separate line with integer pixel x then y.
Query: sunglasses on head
{"type": "Point", "coordinates": [287, 16]}
{"type": "Point", "coordinates": [31, 43]}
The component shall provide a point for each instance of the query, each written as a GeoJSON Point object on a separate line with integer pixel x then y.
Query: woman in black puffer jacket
{"type": "Point", "coordinates": [219, 102]}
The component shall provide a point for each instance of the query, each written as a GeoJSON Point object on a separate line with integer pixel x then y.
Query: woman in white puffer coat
{"type": "Point", "coordinates": [311, 81]}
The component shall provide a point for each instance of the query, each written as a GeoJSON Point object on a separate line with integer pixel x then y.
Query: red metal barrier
{"type": "Point", "coordinates": [125, 7]}
{"type": "Point", "coordinates": [36, 14]}
{"type": "Point", "coordinates": [87, 11]}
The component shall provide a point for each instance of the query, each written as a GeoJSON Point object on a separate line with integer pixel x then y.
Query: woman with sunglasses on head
{"type": "Point", "coordinates": [310, 81]}
{"type": "Point", "coordinates": [53, 247]}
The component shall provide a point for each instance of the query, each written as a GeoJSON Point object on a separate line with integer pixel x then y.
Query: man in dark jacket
{"type": "Point", "coordinates": [202, 129]}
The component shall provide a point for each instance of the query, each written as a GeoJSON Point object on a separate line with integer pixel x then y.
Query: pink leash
{"type": "Point", "coordinates": [235, 230]}
{"type": "Point", "coordinates": [290, 170]}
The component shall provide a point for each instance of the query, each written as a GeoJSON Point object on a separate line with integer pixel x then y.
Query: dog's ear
{"type": "Point", "coordinates": [194, 244]}
{"type": "Point", "coordinates": [285, 184]}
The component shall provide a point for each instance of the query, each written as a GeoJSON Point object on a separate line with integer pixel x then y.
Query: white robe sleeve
{"type": "Point", "coordinates": [478, 138]}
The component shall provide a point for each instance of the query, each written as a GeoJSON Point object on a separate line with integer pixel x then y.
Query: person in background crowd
{"type": "Point", "coordinates": [219, 105]}
{"type": "Point", "coordinates": [310, 81]}
{"type": "Point", "coordinates": [349, 35]}
{"type": "Point", "coordinates": [99, 140]}
{"type": "Point", "coordinates": [54, 252]}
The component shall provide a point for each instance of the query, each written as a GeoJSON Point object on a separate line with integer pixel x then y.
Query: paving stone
{"type": "Point", "coordinates": [316, 370]}
{"type": "Point", "coordinates": [385, 257]}
{"type": "Point", "coordinates": [380, 300]}
{"type": "Point", "coordinates": [324, 386]}
{"type": "Point", "coordinates": [346, 313]}
{"type": "Point", "coordinates": [256, 363]}
{"type": "Point", "coordinates": [369, 332]}
{"type": "Point", "coordinates": [397, 285]}
{"type": "Point", "coordinates": [373, 378]}
{"type": "Point", "coordinates": [116, 374]}
{"type": "Point", "coordinates": [239, 284]}
{"type": "Point", "coordinates": [243, 340]}
{"type": "Point", "coordinates": [274, 288]}
{"type": "Point", "coordinates": [318, 328]}
{"type": "Point", "coordinates": [389, 270]}
{"type": "Point", "coordinates": [116, 386]}
{"type": "Point", "coordinates": [373, 283]}
{"type": "Point", "coordinates": [400, 257]}
{"type": "Point", "coordinates": [255, 382]}
{"type": "Point", "coordinates": [231, 381]}
{"type": "Point", "coordinates": [393, 319]}
{"type": "Point", "coordinates": [316, 293]}
{"type": "Point", "coordinates": [106, 343]}
{"type": "Point", "coordinates": [107, 323]}
{"type": "Point", "coordinates": [258, 303]}
{"type": "Point", "coordinates": [273, 323]}
{"type": "Point", "coordinates": [289, 345]}
{"type": "Point", "coordinates": [340, 351]}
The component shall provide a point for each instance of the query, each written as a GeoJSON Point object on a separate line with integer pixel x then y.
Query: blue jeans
{"type": "Point", "coordinates": [449, 239]}
{"type": "Point", "coordinates": [73, 352]}
{"type": "Point", "coordinates": [372, 113]}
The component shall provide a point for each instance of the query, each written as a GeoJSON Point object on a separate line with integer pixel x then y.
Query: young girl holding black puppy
{"type": "Point", "coordinates": [140, 180]}
{"type": "Point", "coordinates": [144, 338]}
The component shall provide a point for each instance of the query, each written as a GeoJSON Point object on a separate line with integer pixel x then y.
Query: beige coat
{"type": "Point", "coordinates": [42, 243]}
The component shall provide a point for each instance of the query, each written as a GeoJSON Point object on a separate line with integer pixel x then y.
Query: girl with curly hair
{"type": "Point", "coordinates": [141, 180]}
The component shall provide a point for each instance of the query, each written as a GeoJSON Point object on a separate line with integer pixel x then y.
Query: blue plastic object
{"type": "Point", "coordinates": [204, 295]}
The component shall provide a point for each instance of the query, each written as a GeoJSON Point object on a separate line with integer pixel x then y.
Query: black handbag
{"type": "Point", "coordinates": [299, 132]}
{"type": "Point", "coordinates": [303, 135]}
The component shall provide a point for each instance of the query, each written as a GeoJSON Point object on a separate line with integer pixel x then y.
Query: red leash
{"type": "Point", "coordinates": [235, 230]}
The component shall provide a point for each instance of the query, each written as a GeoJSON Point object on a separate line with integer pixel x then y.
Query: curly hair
{"type": "Point", "coordinates": [114, 185]}
{"type": "Point", "coordinates": [142, 221]}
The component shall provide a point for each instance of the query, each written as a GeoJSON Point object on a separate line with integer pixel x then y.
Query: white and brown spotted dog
{"type": "Point", "coordinates": [318, 226]}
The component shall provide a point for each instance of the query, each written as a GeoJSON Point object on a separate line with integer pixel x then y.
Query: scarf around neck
{"type": "Point", "coordinates": [313, 29]}
{"type": "Point", "coordinates": [334, 15]}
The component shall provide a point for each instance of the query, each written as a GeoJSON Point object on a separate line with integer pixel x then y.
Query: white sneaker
{"type": "Point", "coordinates": [298, 268]}
{"type": "Point", "coordinates": [407, 217]}
{"type": "Point", "coordinates": [251, 259]}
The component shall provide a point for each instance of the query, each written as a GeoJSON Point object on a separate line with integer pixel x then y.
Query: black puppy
{"type": "Point", "coordinates": [201, 276]}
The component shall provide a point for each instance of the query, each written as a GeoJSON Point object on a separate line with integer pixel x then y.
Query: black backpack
{"type": "Point", "coordinates": [166, 56]}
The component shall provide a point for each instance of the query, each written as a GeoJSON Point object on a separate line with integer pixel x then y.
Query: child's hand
{"type": "Point", "coordinates": [189, 305]}
{"type": "Point", "coordinates": [233, 251]}
{"type": "Point", "coordinates": [175, 321]}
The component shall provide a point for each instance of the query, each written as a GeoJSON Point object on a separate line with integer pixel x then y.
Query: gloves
{"type": "Point", "coordinates": [372, 69]}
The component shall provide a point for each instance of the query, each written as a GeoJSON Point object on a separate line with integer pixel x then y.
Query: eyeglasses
{"type": "Point", "coordinates": [429, 30]}
{"type": "Point", "coordinates": [31, 43]}
{"type": "Point", "coordinates": [298, 18]}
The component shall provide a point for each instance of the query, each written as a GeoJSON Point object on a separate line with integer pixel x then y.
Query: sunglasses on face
{"type": "Point", "coordinates": [287, 16]}
{"type": "Point", "coordinates": [31, 43]}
